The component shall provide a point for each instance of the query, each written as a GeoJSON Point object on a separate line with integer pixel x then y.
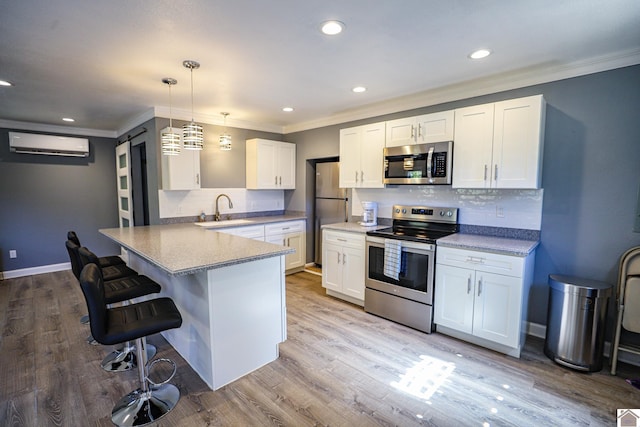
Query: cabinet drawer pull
{"type": "Point", "coordinates": [286, 228]}
{"type": "Point", "coordinates": [341, 240]}
{"type": "Point", "coordinates": [475, 260]}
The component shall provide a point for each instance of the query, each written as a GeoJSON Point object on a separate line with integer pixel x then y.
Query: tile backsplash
{"type": "Point", "coordinates": [190, 203]}
{"type": "Point", "coordinates": [493, 208]}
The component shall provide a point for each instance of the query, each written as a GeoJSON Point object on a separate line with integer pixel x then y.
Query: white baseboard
{"type": "Point", "coordinates": [11, 274]}
{"type": "Point", "coordinates": [536, 330]}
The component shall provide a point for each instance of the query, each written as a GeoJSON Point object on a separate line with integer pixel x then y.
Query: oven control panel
{"type": "Point", "coordinates": [425, 213]}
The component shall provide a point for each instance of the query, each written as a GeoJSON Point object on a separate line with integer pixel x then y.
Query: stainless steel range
{"type": "Point", "coordinates": [400, 262]}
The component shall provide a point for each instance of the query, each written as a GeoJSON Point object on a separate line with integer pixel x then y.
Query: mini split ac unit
{"type": "Point", "coordinates": [30, 143]}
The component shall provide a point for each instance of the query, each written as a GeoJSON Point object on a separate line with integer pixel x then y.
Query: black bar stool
{"type": "Point", "coordinates": [115, 325]}
{"type": "Point", "coordinates": [117, 290]}
{"type": "Point", "coordinates": [104, 261]}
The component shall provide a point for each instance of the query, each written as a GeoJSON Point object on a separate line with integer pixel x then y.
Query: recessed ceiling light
{"type": "Point", "coordinates": [68, 119]}
{"type": "Point", "coordinates": [480, 53]}
{"type": "Point", "coordinates": [331, 28]}
{"type": "Point", "coordinates": [359, 89]}
{"type": "Point", "coordinates": [287, 109]}
{"type": "Point", "coordinates": [5, 83]}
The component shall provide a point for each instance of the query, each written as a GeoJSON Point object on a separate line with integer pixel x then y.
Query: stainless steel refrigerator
{"type": "Point", "coordinates": [331, 202]}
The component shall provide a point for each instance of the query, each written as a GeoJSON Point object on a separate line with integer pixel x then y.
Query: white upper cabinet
{"type": "Point", "coordinates": [499, 145]}
{"type": "Point", "coordinates": [361, 156]}
{"type": "Point", "coordinates": [271, 165]}
{"type": "Point", "coordinates": [181, 172]}
{"type": "Point", "coordinates": [434, 127]}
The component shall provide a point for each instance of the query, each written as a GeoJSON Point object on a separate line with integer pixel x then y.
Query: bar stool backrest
{"type": "Point", "coordinates": [74, 257]}
{"type": "Point", "coordinates": [71, 235]}
{"type": "Point", "coordinates": [93, 290]}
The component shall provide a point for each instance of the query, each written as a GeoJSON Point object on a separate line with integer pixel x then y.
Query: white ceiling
{"type": "Point", "coordinates": [102, 62]}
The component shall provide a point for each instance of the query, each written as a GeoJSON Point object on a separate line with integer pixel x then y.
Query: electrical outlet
{"type": "Point", "coordinates": [499, 212]}
{"type": "Point", "coordinates": [13, 253]}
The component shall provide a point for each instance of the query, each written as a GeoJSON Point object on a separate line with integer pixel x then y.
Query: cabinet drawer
{"type": "Point", "coordinates": [284, 228]}
{"type": "Point", "coordinates": [255, 232]}
{"type": "Point", "coordinates": [352, 240]}
{"type": "Point", "coordinates": [481, 261]}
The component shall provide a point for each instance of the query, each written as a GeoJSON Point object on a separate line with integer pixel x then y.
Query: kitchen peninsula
{"type": "Point", "coordinates": [230, 291]}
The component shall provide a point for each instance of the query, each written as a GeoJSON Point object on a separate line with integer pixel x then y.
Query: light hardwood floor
{"type": "Point", "coordinates": [340, 366]}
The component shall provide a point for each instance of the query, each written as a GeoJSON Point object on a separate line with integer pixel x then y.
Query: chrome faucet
{"type": "Point", "coordinates": [216, 217]}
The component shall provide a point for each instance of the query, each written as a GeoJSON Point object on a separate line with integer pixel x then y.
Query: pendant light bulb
{"type": "Point", "coordinates": [225, 138]}
{"type": "Point", "coordinates": [169, 138]}
{"type": "Point", "coordinates": [192, 133]}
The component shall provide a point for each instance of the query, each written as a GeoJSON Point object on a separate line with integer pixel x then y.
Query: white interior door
{"type": "Point", "coordinates": [123, 177]}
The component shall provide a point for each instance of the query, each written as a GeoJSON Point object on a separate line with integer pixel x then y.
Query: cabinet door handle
{"type": "Point", "coordinates": [419, 130]}
{"type": "Point", "coordinates": [356, 176]}
{"type": "Point", "coordinates": [479, 286]}
{"type": "Point", "coordinates": [276, 181]}
{"type": "Point", "coordinates": [361, 176]}
{"type": "Point", "coordinates": [339, 258]}
{"type": "Point", "coordinates": [197, 178]}
{"type": "Point", "coordinates": [485, 172]}
{"type": "Point", "coordinates": [413, 132]}
{"type": "Point", "coordinates": [469, 285]}
{"type": "Point", "coordinates": [287, 241]}
{"type": "Point", "coordinates": [495, 173]}
{"type": "Point", "coordinates": [280, 180]}
{"type": "Point", "coordinates": [344, 258]}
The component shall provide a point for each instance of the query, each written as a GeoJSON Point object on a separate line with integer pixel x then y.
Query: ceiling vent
{"type": "Point", "coordinates": [30, 143]}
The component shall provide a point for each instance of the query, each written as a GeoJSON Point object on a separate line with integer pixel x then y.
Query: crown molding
{"type": "Point", "coordinates": [544, 73]}
{"type": "Point", "coordinates": [40, 127]}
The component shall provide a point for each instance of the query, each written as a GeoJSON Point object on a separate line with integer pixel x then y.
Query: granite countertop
{"type": "Point", "coordinates": [352, 227]}
{"type": "Point", "coordinates": [182, 249]}
{"type": "Point", "coordinates": [499, 245]}
{"type": "Point", "coordinates": [245, 222]}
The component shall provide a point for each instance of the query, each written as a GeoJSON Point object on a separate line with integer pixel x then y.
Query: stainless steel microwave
{"type": "Point", "coordinates": [419, 164]}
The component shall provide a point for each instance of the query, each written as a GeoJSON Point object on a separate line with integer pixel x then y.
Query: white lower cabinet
{"type": "Point", "coordinates": [291, 234]}
{"type": "Point", "coordinates": [481, 297]}
{"type": "Point", "coordinates": [343, 265]}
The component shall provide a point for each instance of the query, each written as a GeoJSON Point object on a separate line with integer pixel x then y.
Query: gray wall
{"type": "Point", "coordinates": [221, 169]}
{"type": "Point", "coordinates": [43, 197]}
{"type": "Point", "coordinates": [591, 173]}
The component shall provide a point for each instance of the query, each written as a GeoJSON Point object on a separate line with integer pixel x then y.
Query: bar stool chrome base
{"type": "Point", "coordinates": [125, 359]}
{"type": "Point", "coordinates": [140, 407]}
{"type": "Point", "coordinates": [152, 400]}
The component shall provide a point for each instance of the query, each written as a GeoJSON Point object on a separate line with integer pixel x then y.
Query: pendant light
{"type": "Point", "coordinates": [169, 139]}
{"type": "Point", "coordinates": [225, 138]}
{"type": "Point", "coordinates": [192, 133]}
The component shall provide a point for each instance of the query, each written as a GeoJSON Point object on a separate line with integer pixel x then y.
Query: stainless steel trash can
{"type": "Point", "coordinates": [576, 322]}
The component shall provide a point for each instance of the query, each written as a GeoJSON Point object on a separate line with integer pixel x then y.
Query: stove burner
{"type": "Point", "coordinates": [420, 224]}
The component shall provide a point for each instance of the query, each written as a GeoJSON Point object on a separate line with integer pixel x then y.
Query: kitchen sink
{"type": "Point", "coordinates": [223, 223]}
